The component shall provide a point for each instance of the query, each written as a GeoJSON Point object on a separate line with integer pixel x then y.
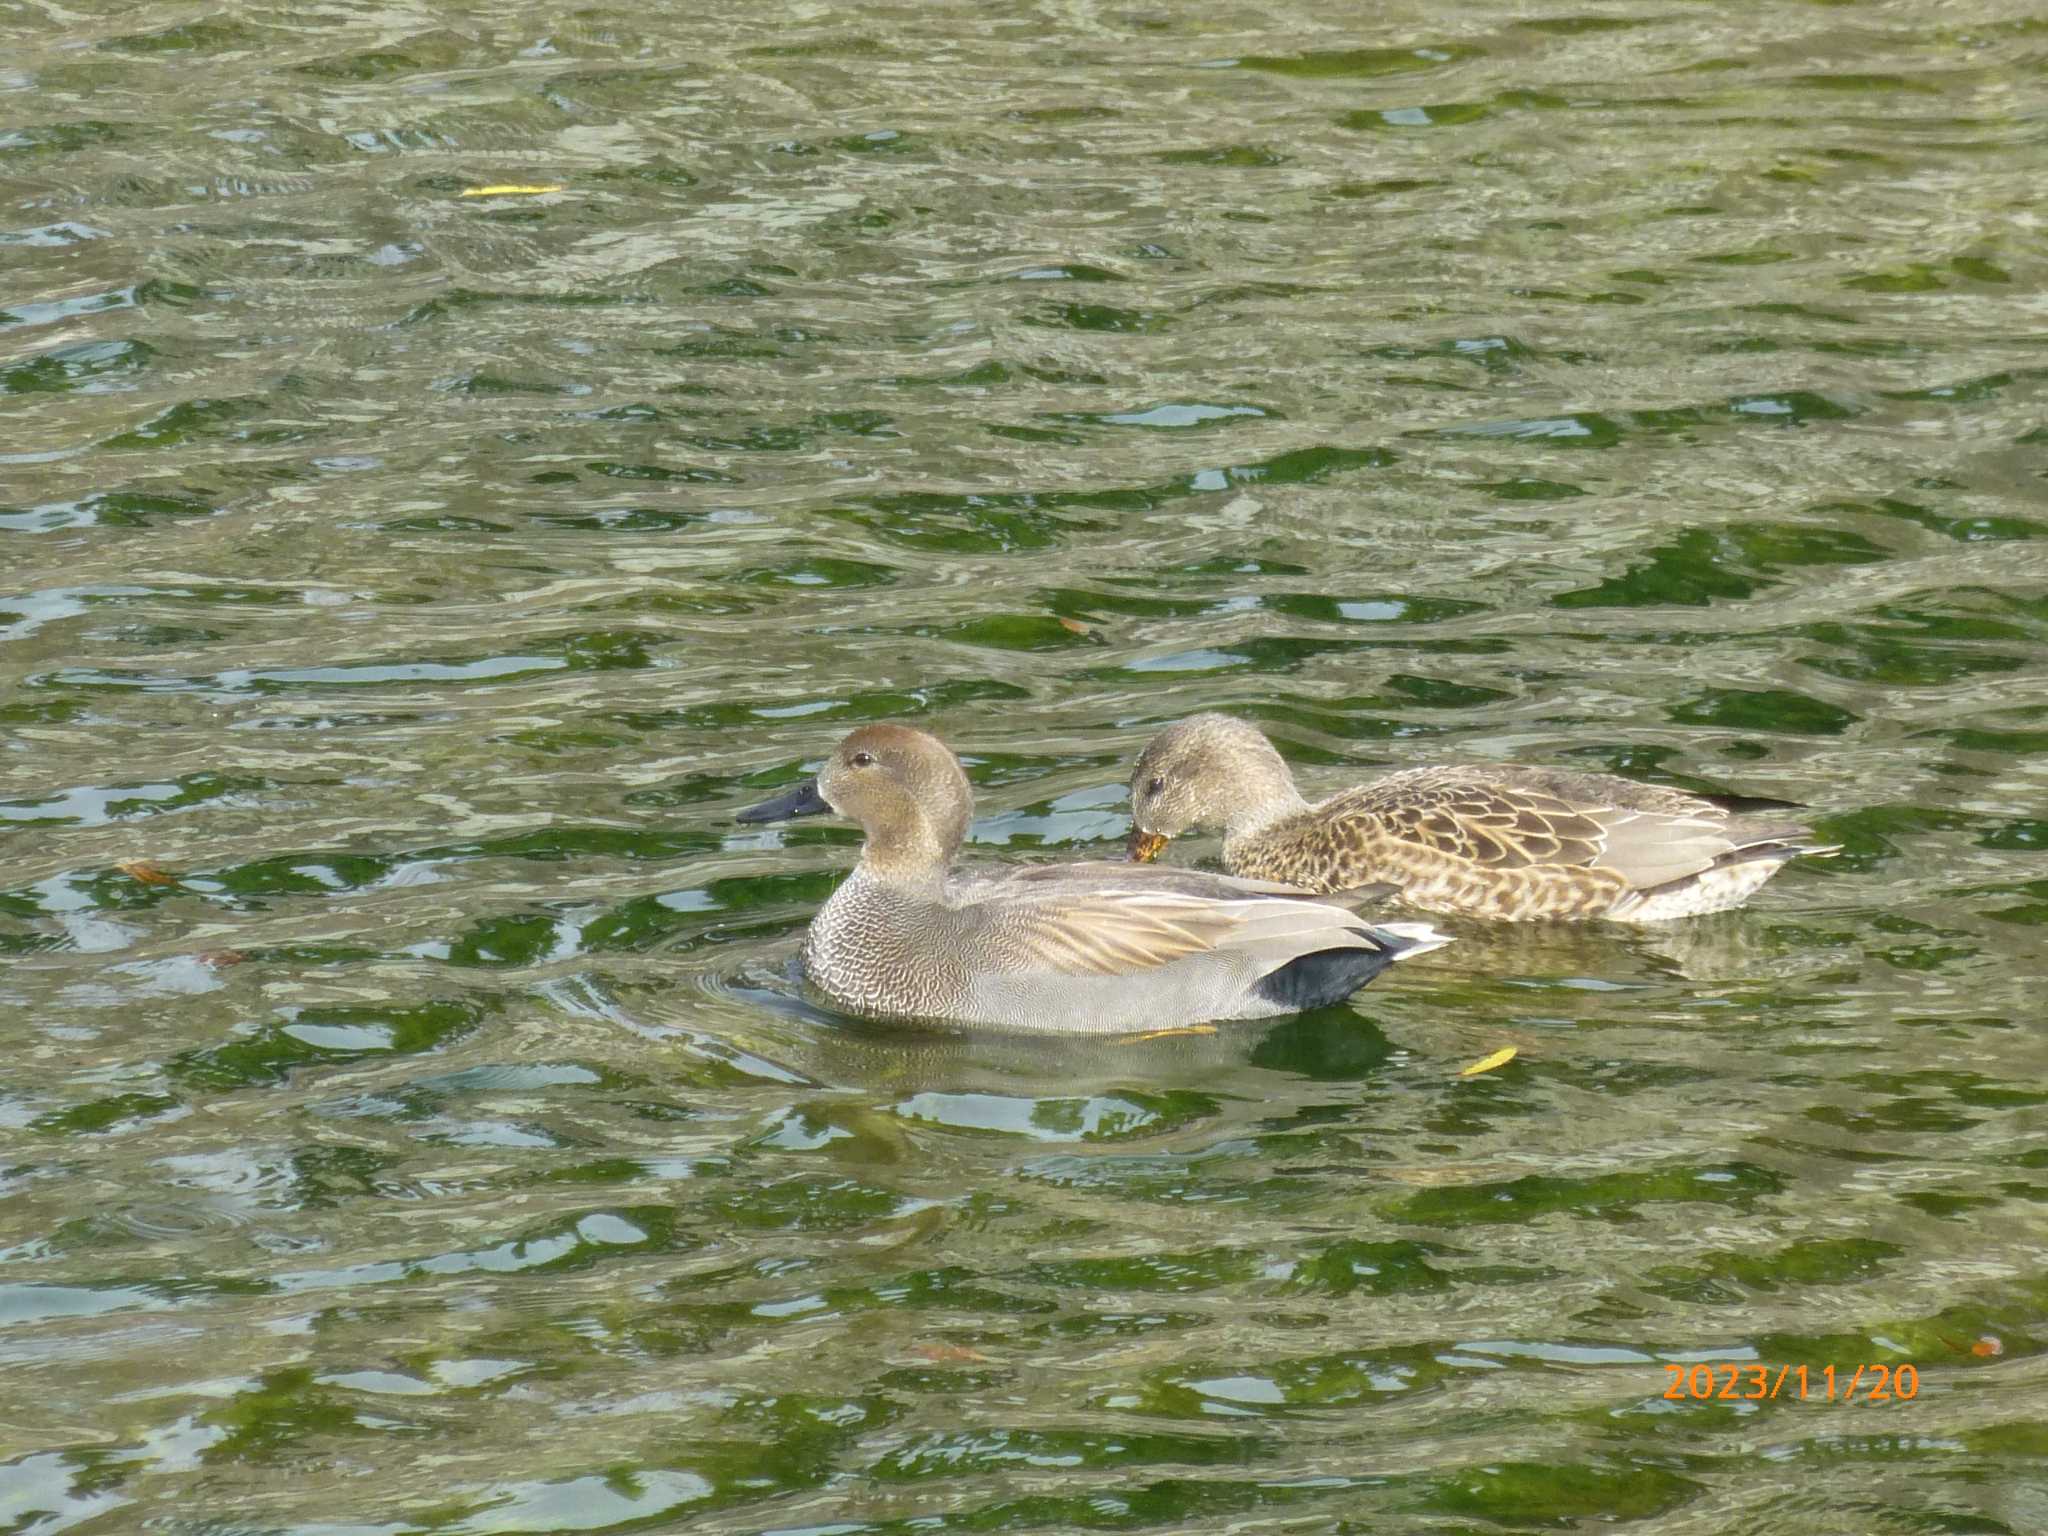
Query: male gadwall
{"type": "Point", "coordinates": [1488, 841]}
{"type": "Point", "coordinates": [1076, 947]}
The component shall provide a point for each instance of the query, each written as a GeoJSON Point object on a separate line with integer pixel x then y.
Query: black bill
{"type": "Point", "coordinates": [804, 800]}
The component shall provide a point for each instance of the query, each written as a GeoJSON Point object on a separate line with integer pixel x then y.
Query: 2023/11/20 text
{"type": "Point", "coordinates": [1741, 1383]}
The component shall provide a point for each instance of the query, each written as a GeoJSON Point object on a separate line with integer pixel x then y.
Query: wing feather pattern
{"type": "Point", "coordinates": [1648, 834]}
{"type": "Point", "coordinates": [1109, 933]}
{"type": "Point", "coordinates": [1117, 932]}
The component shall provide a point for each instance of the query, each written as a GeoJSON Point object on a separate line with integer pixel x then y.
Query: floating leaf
{"type": "Point", "coordinates": [510, 189]}
{"type": "Point", "coordinates": [1166, 1034]}
{"type": "Point", "coordinates": [1075, 627]}
{"type": "Point", "coordinates": [144, 871]}
{"type": "Point", "coordinates": [221, 959]}
{"type": "Point", "coordinates": [944, 1353]}
{"type": "Point", "coordinates": [1987, 1345]}
{"type": "Point", "coordinates": [1499, 1058]}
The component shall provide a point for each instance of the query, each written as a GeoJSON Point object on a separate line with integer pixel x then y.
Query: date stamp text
{"type": "Point", "coordinates": [1749, 1383]}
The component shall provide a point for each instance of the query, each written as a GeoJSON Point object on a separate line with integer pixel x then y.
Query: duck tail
{"type": "Point", "coordinates": [1794, 844]}
{"type": "Point", "coordinates": [1326, 976]}
{"type": "Point", "coordinates": [1728, 882]}
{"type": "Point", "coordinates": [1403, 941]}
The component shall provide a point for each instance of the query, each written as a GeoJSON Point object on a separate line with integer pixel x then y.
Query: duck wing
{"type": "Point", "coordinates": [1114, 946]}
{"type": "Point", "coordinates": [1105, 933]}
{"type": "Point", "coordinates": [974, 885]}
{"type": "Point", "coordinates": [1477, 817]}
{"type": "Point", "coordinates": [1504, 819]}
{"type": "Point", "coordinates": [1100, 874]}
{"type": "Point", "coordinates": [1125, 930]}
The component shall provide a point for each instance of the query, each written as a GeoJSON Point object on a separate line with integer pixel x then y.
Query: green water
{"type": "Point", "coordinates": [420, 581]}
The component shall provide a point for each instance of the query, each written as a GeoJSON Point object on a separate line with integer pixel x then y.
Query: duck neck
{"type": "Point", "coordinates": [1259, 814]}
{"type": "Point", "coordinates": [906, 854]}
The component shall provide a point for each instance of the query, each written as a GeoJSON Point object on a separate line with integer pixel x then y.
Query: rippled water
{"type": "Point", "coordinates": [410, 1122]}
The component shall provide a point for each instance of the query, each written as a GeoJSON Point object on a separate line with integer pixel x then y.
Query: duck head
{"type": "Point", "coordinates": [1207, 771]}
{"type": "Point", "coordinates": [905, 789]}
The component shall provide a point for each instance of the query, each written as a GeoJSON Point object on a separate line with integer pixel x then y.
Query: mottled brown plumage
{"type": "Point", "coordinates": [1484, 840]}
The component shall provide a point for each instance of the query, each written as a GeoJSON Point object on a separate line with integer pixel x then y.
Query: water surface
{"type": "Point", "coordinates": [411, 1124]}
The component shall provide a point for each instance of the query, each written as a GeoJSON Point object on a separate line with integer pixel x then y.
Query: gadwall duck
{"type": "Point", "coordinates": [1099, 947]}
{"type": "Point", "coordinates": [1486, 841]}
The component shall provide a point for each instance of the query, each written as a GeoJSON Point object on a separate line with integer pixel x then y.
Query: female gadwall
{"type": "Point", "coordinates": [1074, 947]}
{"type": "Point", "coordinates": [1487, 841]}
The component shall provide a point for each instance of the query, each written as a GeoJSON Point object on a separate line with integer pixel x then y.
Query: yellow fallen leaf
{"type": "Point", "coordinates": [1499, 1058]}
{"type": "Point", "coordinates": [1073, 626]}
{"type": "Point", "coordinates": [509, 189]}
{"type": "Point", "coordinates": [145, 872]}
{"type": "Point", "coordinates": [1168, 1034]}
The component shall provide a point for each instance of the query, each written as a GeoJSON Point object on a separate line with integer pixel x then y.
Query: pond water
{"type": "Point", "coordinates": [411, 1123]}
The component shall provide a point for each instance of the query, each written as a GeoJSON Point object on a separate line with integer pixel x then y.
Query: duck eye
{"type": "Point", "coordinates": [863, 759]}
{"type": "Point", "coordinates": [1155, 786]}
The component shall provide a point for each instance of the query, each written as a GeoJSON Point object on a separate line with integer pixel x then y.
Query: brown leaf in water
{"type": "Point", "coordinates": [1448, 1175]}
{"type": "Point", "coordinates": [942, 1353]}
{"type": "Point", "coordinates": [221, 959]}
{"type": "Point", "coordinates": [145, 872]}
{"type": "Point", "coordinates": [1075, 627]}
{"type": "Point", "coordinates": [1987, 1345]}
